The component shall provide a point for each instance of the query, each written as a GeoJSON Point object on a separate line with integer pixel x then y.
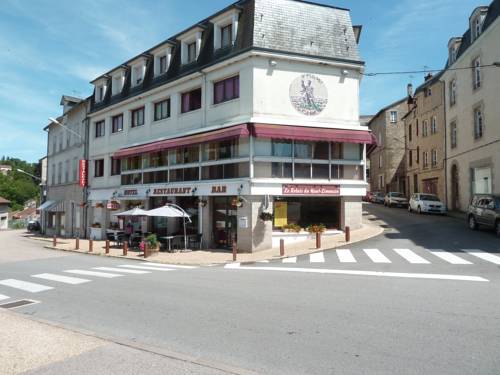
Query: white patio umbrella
{"type": "Point", "coordinates": [133, 212]}
{"type": "Point", "coordinates": [171, 210]}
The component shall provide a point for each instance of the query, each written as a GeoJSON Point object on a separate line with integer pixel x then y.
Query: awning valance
{"type": "Point", "coordinates": [303, 133]}
{"type": "Point", "coordinates": [46, 205]}
{"type": "Point", "coordinates": [213, 136]}
{"type": "Point", "coordinates": [57, 207]}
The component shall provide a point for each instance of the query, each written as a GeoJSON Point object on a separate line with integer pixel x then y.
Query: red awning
{"type": "Point", "coordinates": [213, 136]}
{"type": "Point", "coordinates": [302, 133]}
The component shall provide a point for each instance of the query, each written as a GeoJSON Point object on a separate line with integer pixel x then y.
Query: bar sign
{"type": "Point", "coordinates": [84, 164]}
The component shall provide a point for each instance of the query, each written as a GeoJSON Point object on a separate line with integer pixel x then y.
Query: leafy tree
{"type": "Point", "coordinates": [17, 187]}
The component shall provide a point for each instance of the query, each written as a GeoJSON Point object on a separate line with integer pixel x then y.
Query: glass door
{"type": "Point", "coordinates": [224, 222]}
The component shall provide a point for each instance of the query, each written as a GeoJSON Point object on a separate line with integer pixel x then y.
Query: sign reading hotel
{"type": "Point", "coordinates": [311, 190]}
{"type": "Point", "coordinates": [308, 95]}
{"type": "Point", "coordinates": [83, 173]}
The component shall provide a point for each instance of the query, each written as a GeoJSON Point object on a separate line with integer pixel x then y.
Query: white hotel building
{"type": "Point", "coordinates": [253, 110]}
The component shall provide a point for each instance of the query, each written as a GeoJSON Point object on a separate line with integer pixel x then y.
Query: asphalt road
{"type": "Point", "coordinates": [314, 315]}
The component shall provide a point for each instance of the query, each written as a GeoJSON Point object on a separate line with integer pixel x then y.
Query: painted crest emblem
{"type": "Point", "coordinates": [308, 95]}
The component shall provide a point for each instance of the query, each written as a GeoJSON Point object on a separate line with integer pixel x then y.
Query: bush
{"type": "Point", "coordinates": [152, 241]}
{"type": "Point", "coordinates": [292, 228]}
{"type": "Point", "coordinates": [316, 228]}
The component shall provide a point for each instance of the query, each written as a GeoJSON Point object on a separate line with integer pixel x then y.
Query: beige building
{"type": "Point", "coordinates": [387, 161]}
{"type": "Point", "coordinates": [425, 137]}
{"type": "Point", "coordinates": [472, 82]}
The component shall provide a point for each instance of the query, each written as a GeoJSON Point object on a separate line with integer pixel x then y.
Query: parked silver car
{"type": "Point", "coordinates": [428, 203]}
{"type": "Point", "coordinates": [395, 199]}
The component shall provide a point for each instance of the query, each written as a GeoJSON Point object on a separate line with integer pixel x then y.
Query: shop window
{"type": "Point", "coordinates": [132, 163]}
{"type": "Point", "coordinates": [225, 171]}
{"type": "Point", "coordinates": [352, 172]}
{"type": "Point", "coordinates": [184, 174]}
{"type": "Point", "coordinates": [191, 100]}
{"type": "Point", "coordinates": [302, 170]}
{"type": "Point", "coordinates": [131, 179]}
{"type": "Point", "coordinates": [184, 155]}
{"type": "Point", "coordinates": [157, 177]}
{"type": "Point", "coordinates": [320, 171]}
{"type": "Point", "coordinates": [307, 211]}
{"type": "Point", "coordinates": [337, 172]}
{"type": "Point", "coordinates": [226, 90]}
{"type": "Point", "coordinates": [321, 151]}
{"type": "Point", "coordinates": [273, 170]}
{"type": "Point", "coordinates": [225, 150]}
{"type": "Point", "coordinates": [273, 147]}
{"type": "Point", "coordinates": [303, 150]}
{"type": "Point", "coordinates": [337, 151]}
{"type": "Point", "coordinates": [156, 159]}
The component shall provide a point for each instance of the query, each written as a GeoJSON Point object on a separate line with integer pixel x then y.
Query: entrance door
{"type": "Point", "coordinates": [455, 202]}
{"type": "Point", "coordinates": [224, 222]}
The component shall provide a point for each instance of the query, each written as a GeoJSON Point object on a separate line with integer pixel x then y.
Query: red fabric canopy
{"type": "Point", "coordinates": [213, 136]}
{"type": "Point", "coordinates": [302, 133]}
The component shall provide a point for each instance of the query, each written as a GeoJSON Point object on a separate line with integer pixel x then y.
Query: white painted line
{"type": "Point", "coordinates": [24, 285]}
{"type": "Point", "coordinates": [290, 260]}
{"type": "Point", "coordinates": [317, 258]}
{"type": "Point", "coordinates": [146, 268]}
{"type": "Point", "coordinates": [94, 273]}
{"type": "Point", "coordinates": [111, 269]}
{"type": "Point", "coordinates": [2, 297]}
{"type": "Point", "coordinates": [168, 265]}
{"type": "Point", "coordinates": [376, 256]}
{"type": "Point", "coordinates": [484, 256]}
{"type": "Point", "coordinates": [345, 256]}
{"type": "Point", "coordinates": [232, 265]}
{"type": "Point", "coordinates": [430, 276]}
{"type": "Point", "coordinates": [61, 278]}
{"type": "Point", "coordinates": [449, 257]}
{"type": "Point", "coordinates": [262, 261]}
{"type": "Point", "coordinates": [411, 257]}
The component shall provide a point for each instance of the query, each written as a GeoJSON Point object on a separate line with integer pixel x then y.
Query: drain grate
{"type": "Point", "coordinates": [15, 304]}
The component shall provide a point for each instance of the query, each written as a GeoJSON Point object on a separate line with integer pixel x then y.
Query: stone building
{"type": "Point", "coordinates": [250, 113]}
{"type": "Point", "coordinates": [425, 138]}
{"type": "Point", "coordinates": [387, 161]}
{"type": "Point", "coordinates": [472, 84]}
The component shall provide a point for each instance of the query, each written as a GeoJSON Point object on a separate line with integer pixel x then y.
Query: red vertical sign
{"type": "Point", "coordinates": [84, 164]}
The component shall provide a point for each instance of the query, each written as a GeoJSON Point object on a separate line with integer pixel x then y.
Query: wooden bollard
{"type": "Point", "coordinates": [318, 240]}
{"type": "Point", "coordinates": [282, 247]}
{"type": "Point", "coordinates": [125, 248]}
{"type": "Point", "coordinates": [106, 249]}
{"type": "Point", "coordinates": [145, 249]}
{"type": "Point", "coordinates": [347, 234]}
{"type": "Point", "coordinates": [91, 245]}
{"type": "Point", "coordinates": [77, 243]}
{"type": "Point", "coordinates": [54, 241]}
{"type": "Point", "coordinates": [235, 251]}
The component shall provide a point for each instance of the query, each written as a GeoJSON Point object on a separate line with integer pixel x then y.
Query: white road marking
{"type": "Point", "coordinates": [61, 278]}
{"type": "Point", "coordinates": [168, 265]}
{"type": "Point", "coordinates": [290, 260]}
{"type": "Point", "coordinates": [24, 285]}
{"type": "Point", "coordinates": [449, 257]}
{"type": "Point", "coordinates": [345, 256]}
{"type": "Point", "coordinates": [2, 297]}
{"type": "Point", "coordinates": [411, 257]}
{"type": "Point", "coordinates": [146, 268]}
{"type": "Point", "coordinates": [317, 258]}
{"type": "Point", "coordinates": [262, 261]}
{"type": "Point", "coordinates": [232, 265]}
{"type": "Point", "coordinates": [376, 256]}
{"type": "Point", "coordinates": [484, 256]}
{"type": "Point", "coordinates": [94, 273]}
{"type": "Point", "coordinates": [429, 276]}
{"type": "Point", "coordinates": [135, 272]}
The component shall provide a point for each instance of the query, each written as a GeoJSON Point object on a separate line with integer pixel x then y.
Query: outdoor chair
{"type": "Point", "coordinates": [194, 242]}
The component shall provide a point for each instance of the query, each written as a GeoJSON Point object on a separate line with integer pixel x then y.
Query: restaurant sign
{"type": "Point", "coordinates": [179, 190]}
{"type": "Point", "coordinates": [311, 189]}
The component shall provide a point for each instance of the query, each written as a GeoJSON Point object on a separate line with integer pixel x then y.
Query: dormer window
{"type": "Point", "coordinates": [100, 89]}
{"type": "Point", "coordinates": [476, 21]}
{"type": "Point", "coordinates": [138, 71]}
{"type": "Point", "coordinates": [163, 64]}
{"type": "Point", "coordinates": [162, 57]}
{"type": "Point", "coordinates": [137, 75]}
{"type": "Point", "coordinates": [225, 29]}
{"type": "Point", "coordinates": [191, 45]}
{"type": "Point", "coordinates": [477, 27]}
{"type": "Point", "coordinates": [118, 80]}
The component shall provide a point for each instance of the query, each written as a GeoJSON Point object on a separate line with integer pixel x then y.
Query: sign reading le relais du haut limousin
{"type": "Point", "coordinates": [83, 172]}
{"type": "Point", "coordinates": [311, 189]}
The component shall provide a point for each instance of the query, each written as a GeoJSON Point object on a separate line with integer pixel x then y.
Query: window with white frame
{"type": "Point", "coordinates": [100, 92]}
{"type": "Point", "coordinates": [117, 83]}
{"type": "Point", "coordinates": [191, 45]}
{"type": "Point", "coordinates": [434, 158]}
{"type": "Point", "coordinates": [163, 64]}
{"type": "Point", "coordinates": [191, 52]}
{"type": "Point", "coordinates": [453, 92]}
{"type": "Point", "coordinates": [137, 117]}
{"type": "Point", "coordinates": [394, 116]}
{"type": "Point", "coordinates": [162, 61]}
{"type": "Point", "coordinates": [226, 36]}
{"type": "Point", "coordinates": [478, 123]}
{"type": "Point", "coordinates": [453, 134]}
{"type": "Point", "coordinates": [225, 29]}
{"type": "Point", "coordinates": [137, 75]}
{"type": "Point", "coordinates": [476, 79]}
{"type": "Point", "coordinates": [433, 125]}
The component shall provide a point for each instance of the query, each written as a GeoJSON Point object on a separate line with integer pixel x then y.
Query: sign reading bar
{"type": "Point", "coordinates": [311, 190]}
{"type": "Point", "coordinates": [83, 172]}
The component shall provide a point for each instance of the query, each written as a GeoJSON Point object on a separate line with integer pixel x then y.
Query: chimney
{"type": "Point", "coordinates": [428, 77]}
{"type": "Point", "coordinates": [409, 90]}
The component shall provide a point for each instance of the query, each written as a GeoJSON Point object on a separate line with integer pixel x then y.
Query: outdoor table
{"type": "Point", "coordinates": [169, 240]}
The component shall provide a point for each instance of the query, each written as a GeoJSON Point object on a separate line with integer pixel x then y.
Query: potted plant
{"type": "Point", "coordinates": [202, 202]}
{"type": "Point", "coordinates": [316, 228]}
{"type": "Point", "coordinates": [292, 228]}
{"type": "Point", "coordinates": [266, 216]}
{"type": "Point", "coordinates": [238, 202]}
{"type": "Point", "coordinates": [153, 243]}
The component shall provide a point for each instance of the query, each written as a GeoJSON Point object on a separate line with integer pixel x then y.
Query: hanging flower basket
{"type": "Point", "coordinates": [238, 202]}
{"type": "Point", "coordinates": [202, 202]}
{"type": "Point", "coordinates": [266, 216]}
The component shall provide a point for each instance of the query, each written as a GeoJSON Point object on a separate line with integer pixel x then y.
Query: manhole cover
{"type": "Point", "coordinates": [15, 304]}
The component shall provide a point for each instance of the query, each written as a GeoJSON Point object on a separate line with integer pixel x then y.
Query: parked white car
{"type": "Point", "coordinates": [428, 203]}
{"type": "Point", "coordinates": [395, 199]}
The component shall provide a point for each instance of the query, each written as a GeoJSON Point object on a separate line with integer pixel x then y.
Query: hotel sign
{"type": "Point", "coordinates": [83, 173]}
{"type": "Point", "coordinates": [311, 190]}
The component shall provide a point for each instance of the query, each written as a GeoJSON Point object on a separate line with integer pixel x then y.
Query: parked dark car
{"type": "Point", "coordinates": [33, 226]}
{"type": "Point", "coordinates": [484, 210]}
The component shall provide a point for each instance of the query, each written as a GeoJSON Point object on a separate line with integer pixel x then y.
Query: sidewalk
{"type": "Point", "coordinates": [213, 257]}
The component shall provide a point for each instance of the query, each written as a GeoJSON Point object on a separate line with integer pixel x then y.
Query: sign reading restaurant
{"type": "Point", "coordinates": [311, 189]}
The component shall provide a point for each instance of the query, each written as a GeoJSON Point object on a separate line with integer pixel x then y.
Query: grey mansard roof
{"type": "Point", "coordinates": [291, 27]}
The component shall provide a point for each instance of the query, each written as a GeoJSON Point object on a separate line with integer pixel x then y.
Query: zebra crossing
{"type": "Point", "coordinates": [397, 255]}
{"type": "Point", "coordinates": [37, 282]}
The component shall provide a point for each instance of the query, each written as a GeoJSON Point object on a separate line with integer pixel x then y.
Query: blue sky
{"type": "Point", "coordinates": [51, 47]}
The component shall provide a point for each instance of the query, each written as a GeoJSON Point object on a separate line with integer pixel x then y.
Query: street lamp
{"type": "Point", "coordinates": [53, 120]}
{"type": "Point", "coordinates": [29, 174]}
